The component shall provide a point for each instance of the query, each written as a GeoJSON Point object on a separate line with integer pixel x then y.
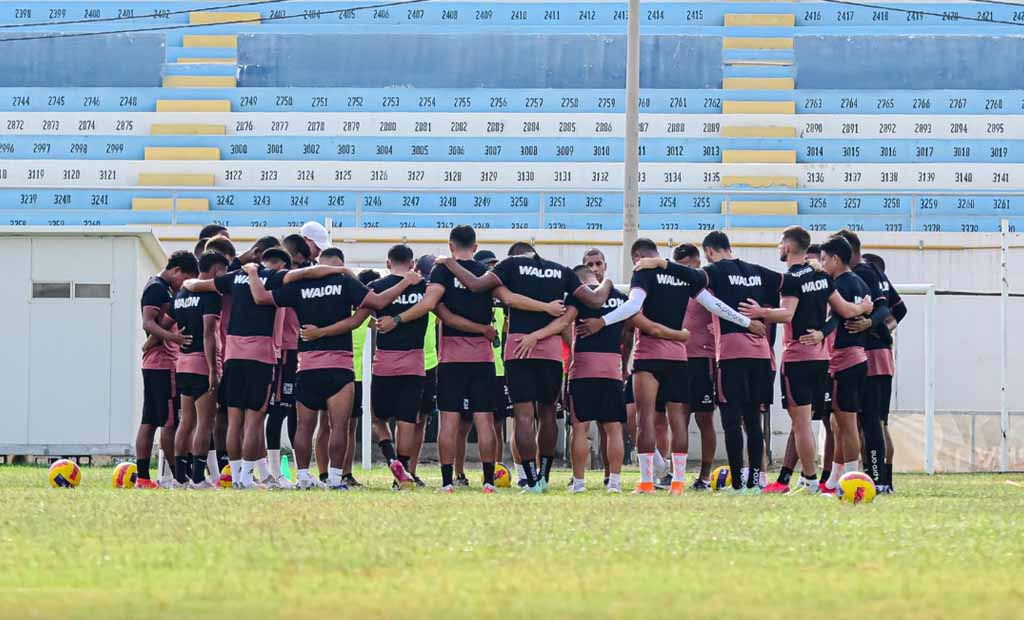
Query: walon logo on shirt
{"type": "Point", "coordinates": [409, 299]}
{"type": "Point", "coordinates": [613, 302]}
{"type": "Point", "coordinates": [664, 278]}
{"type": "Point", "coordinates": [537, 272]}
{"type": "Point", "coordinates": [242, 278]}
{"type": "Point", "coordinates": [745, 280]}
{"type": "Point", "coordinates": [186, 302]}
{"type": "Point", "coordinates": [327, 290]}
{"type": "Point", "coordinates": [814, 285]}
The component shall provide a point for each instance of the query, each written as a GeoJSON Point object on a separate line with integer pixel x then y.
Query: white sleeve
{"type": "Point", "coordinates": [633, 305]}
{"type": "Point", "coordinates": [720, 309]}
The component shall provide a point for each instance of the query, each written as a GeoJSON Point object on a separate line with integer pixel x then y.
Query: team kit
{"type": "Point", "coordinates": [243, 346]}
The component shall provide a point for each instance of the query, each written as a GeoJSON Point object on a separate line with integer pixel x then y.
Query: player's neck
{"type": "Point", "coordinates": [793, 260]}
{"type": "Point", "coordinates": [400, 271]}
{"type": "Point", "coordinates": [205, 275]}
{"type": "Point", "coordinates": [462, 254]}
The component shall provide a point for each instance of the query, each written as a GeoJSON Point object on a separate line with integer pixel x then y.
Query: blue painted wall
{"type": "Point", "coordinates": [468, 60]}
{"type": "Point", "coordinates": [112, 60]}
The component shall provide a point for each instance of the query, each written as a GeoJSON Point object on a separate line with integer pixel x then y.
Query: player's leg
{"type": "Point", "coordinates": [303, 446]}
{"type": "Point", "coordinates": [447, 446]}
{"type": "Point", "coordinates": [645, 391]}
{"type": "Point", "coordinates": [353, 426]}
{"type": "Point", "coordinates": [323, 439]}
{"type": "Point", "coordinates": [549, 379]}
{"type": "Point", "coordinates": [384, 404]}
{"type": "Point", "coordinates": [616, 454]}
{"type": "Point", "coordinates": [631, 419]}
{"type": "Point", "coordinates": [339, 408]}
{"type": "Point", "coordinates": [408, 391]}
{"type": "Point", "coordinates": [485, 434]}
{"type": "Point", "coordinates": [252, 444]}
{"type": "Point", "coordinates": [523, 392]}
{"type": "Point", "coordinates": [220, 433]}
{"type": "Point", "coordinates": [679, 423]}
{"type": "Point", "coordinates": [580, 405]}
{"type": "Point", "coordinates": [870, 419]}
{"type": "Point", "coordinates": [183, 440]}
{"type": "Point", "coordinates": [236, 430]}
{"type": "Point", "coordinates": [465, 425]}
{"type": "Point", "coordinates": [206, 413]}
{"type": "Point", "coordinates": [420, 435]}
{"type": "Point", "coordinates": [277, 413]}
{"type": "Point", "coordinates": [663, 438]}
{"type": "Point", "coordinates": [154, 412]}
{"type": "Point", "coordinates": [602, 439]}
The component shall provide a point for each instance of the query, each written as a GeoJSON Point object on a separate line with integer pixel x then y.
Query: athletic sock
{"type": "Point", "coordinates": [181, 469]}
{"type": "Point", "coordinates": [236, 470]}
{"type": "Point", "coordinates": [245, 477]}
{"type": "Point", "coordinates": [529, 473]}
{"type": "Point", "coordinates": [838, 469]}
{"type": "Point", "coordinates": [785, 474]}
{"type": "Point", "coordinates": [404, 460]}
{"type": "Point", "coordinates": [679, 467]}
{"type": "Point", "coordinates": [762, 479]}
{"type": "Point", "coordinates": [197, 468]}
{"type": "Point", "coordinates": [334, 476]}
{"type": "Point", "coordinates": [303, 474]}
{"type": "Point", "coordinates": [545, 467]}
{"type": "Point", "coordinates": [222, 460]}
{"type": "Point", "coordinates": [660, 464]}
{"type": "Point", "coordinates": [578, 484]}
{"type": "Point", "coordinates": [274, 461]}
{"type": "Point", "coordinates": [262, 469]}
{"type": "Point", "coordinates": [851, 466]}
{"type": "Point", "coordinates": [322, 476]}
{"type": "Point", "coordinates": [887, 468]}
{"type": "Point", "coordinates": [488, 473]}
{"type": "Point", "coordinates": [744, 476]}
{"type": "Point", "coordinates": [826, 474]}
{"type": "Point", "coordinates": [615, 481]}
{"type": "Point", "coordinates": [388, 448]}
{"type": "Point", "coordinates": [647, 468]}
{"type": "Point", "coordinates": [808, 482]}
{"type": "Point", "coordinates": [520, 472]}
{"type": "Point", "coordinates": [143, 466]}
{"type": "Point", "coordinates": [212, 464]}
{"type": "Point", "coordinates": [447, 474]}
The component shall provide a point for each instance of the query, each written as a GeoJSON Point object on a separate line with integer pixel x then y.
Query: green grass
{"type": "Point", "coordinates": [945, 547]}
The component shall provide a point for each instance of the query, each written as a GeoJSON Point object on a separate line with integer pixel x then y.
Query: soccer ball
{"type": "Point", "coordinates": [721, 478]}
{"type": "Point", "coordinates": [502, 477]}
{"type": "Point", "coordinates": [125, 476]}
{"type": "Point", "coordinates": [225, 477]}
{"type": "Point", "coordinates": [65, 474]}
{"type": "Point", "coordinates": [856, 487]}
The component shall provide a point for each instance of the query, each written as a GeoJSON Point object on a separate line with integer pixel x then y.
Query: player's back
{"type": "Point", "coordinates": [812, 289]}
{"type": "Point", "coordinates": [848, 348]}
{"type": "Point", "coordinates": [734, 281]}
{"type": "Point", "coordinates": [536, 278]}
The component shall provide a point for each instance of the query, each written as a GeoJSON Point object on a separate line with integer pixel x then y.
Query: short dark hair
{"type": "Point", "coordinates": [521, 247]}
{"type": "Point", "coordinates": [685, 250]}
{"type": "Point", "coordinates": [295, 244]}
{"type": "Point", "coordinates": [799, 236]}
{"type": "Point", "coordinates": [335, 252]}
{"type": "Point", "coordinates": [875, 260]}
{"type": "Point", "coordinates": [279, 254]}
{"type": "Point", "coordinates": [594, 252]}
{"type": "Point", "coordinates": [851, 238]}
{"type": "Point", "coordinates": [183, 260]}
{"type": "Point", "coordinates": [200, 246]}
{"type": "Point", "coordinates": [265, 243]}
{"type": "Point", "coordinates": [209, 259]}
{"type": "Point", "coordinates": [368, 275]}
{"type": "Point", "coordinates": [643, 244]}
{"type": "Point", "coordinates": [401, 254]}
{"type": "Point", "coordinates": [814, 248]}
{"type": "Point", "coordinates": [212, 230]}
{"type": "Point", "coordinates": [463, 237]}
{"type": "Point", "coordinates": [838, 246]}
{"type": "Point", "coordinates": [581, 270]}
{"type": "Point", "coordinates": [222, 245]}
{"type": "Point", "coordinates": [716, 240]}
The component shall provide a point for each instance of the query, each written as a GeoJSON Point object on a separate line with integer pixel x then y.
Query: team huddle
{"type": "Point", "coordinates": [241, 345]}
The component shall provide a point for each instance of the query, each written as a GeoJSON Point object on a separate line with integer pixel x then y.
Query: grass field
{"type": "Point", "coordinates": [945, 547]}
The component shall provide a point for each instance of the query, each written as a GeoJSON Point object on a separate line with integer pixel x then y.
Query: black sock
{"type": "Point", "coordinates": [489, 473]}
{"type": "Point", "coordinates": [143, 467]}
{"type": "Point", "coordinates": [405, 461]}
{"type": "Point", "coordinates": [545, 467]}
{"type": "Point", "coordinates": [784, 475]}
{"type": "Point", "coordinates": [826, 474]}
{"type": "Point", "coordinates": [888, 474]}
{"type": "Point", "coordinates": [531, 475]}
{"type": "Point", "coordinates": [323, 476]}
{"type": "Point", "coordinates": [198, 464]}
{"type": "Point", "coordinates": [181, 469]}
{"type": "Point", "coordinates": [446, 474]}
{"type": "Point", "coordinates": [222, 459]}
{"type": "Point", "coordinates": [388, 448]}
{"type": "Point", "coordinates": [809, 476]}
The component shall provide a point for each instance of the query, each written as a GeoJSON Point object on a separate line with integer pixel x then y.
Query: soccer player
{"type": "Point", "coordinates": [595, 388]}
{"type": "Point", "coordinates": [807, 292]}
{"type": "Point", "coordinates": [158, 362]}
{"type": "Point", "coordinates": [879, 362]}
{"type": "Point", "coordinates": [214, 230]}
{"type": "Point", "coordinates": [848, 364]}
{"type": "Point", "coordinates": [197, 375]}
{"type": "Point", "coordinates": [661, 290]}
{"type": "Point", "coordinates": [534, 368]}
{"type": "Point", "coordinates": [428, 401]}
{"type": "Point", "coordinates": [881, 365]}
{"type": "Point", "coordinates": [359, 334]}
{"type": "Point", "coordinates": [222, 245]}
{"type": "Point", "coordinates": [502, 400]}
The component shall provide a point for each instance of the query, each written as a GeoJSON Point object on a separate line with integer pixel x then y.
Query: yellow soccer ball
{"type": "Point", "coordinates": [721, 478]}
{"type": "Point", "coordinates": [225, 477]}
{"type": "Point", "coordinates": [502, 477]}
{"type": "Point", "coordinates": [65, 474]}
{"type": "Point", "coordinates": [125, 475]}
{"type": "Point", "coordinates": [856, 487]}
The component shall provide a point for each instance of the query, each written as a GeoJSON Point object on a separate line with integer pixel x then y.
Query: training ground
{"type": "Point", "coordinates": [944, 547]}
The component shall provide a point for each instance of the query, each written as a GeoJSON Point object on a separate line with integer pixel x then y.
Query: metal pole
{"type": "Point", "coordinates": [929, 382]}
{"type": "Point", "coordinates": [1004, 299]}
{"type": "Point", "coordinates": [367, 415]}
{"type": "Point", "coordinates": [631, 192]}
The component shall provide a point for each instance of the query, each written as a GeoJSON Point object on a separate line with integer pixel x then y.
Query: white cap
{"type": "Point", "coordinates": [315, 232]}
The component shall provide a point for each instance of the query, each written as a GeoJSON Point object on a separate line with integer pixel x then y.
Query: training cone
{"type": "Point", "coordinates": [285, 469]}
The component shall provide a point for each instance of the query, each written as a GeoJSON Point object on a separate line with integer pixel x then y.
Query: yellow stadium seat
{"type": "Point", "coordinates": [193, 105]}
{"type": "Point", "coordinates": [758, 181]}
{"type": "Point", "coordinates": [152, 204]}
{"type": "Point", "coordinates": [757, 157]}
{"type": "Point", "coordinates": [199, 81]}
{"type": "Point", "coordinates": [759, 107]}
{"type": "Point", "coordinates": [192, 204]}
{"type": "Point", "coordinates": [186, 129]}
{"type": "Point", "coordinates": [758, 83]}
{"type": "Point", "coordinates": [760, 19]}
{"type": "Point", "coordinates": [209, 40]}
{"type": "Point", "coordinates": [759, 207]}
{"type": "Point", "coordinates": [755, 131]}
{"type": "Point", "coordinates": [160, 179]}
{"type": "Point", "coordinates": [205, 18]}
{"type": "Point", "coordinates": [181, 153]}
{"type": "Point", "coordinates": [757, 43]}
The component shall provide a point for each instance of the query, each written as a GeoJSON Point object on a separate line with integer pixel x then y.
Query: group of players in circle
{"type": "Point", "coordinates": [245, 343]}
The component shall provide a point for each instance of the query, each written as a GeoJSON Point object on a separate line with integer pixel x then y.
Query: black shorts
{"type": "Point", "coordinates": [313, 388]}
{"type": "Point", "coordinates": [597, 400]}
{"type": "Point", "coordinates": [627, 390]}
{"type": "Point", "coordinates": [744, 381]}
{"type": "Point", "coordinates": [701, 373]}
{"type": "Point", "coordinates": [502, 399]}
{"type": "Point", "coordinates": [803, 383]}
{"type": "Point", "coordinates": [283, 392]}
{"type": "Point", "coordinates": [428, 400]}
{"type": "Point", "coordinates": [847, 388]}
{"type": "Point", "coordinates": [466, 386]}
{"type": "Point", "coordinates": [157, 397]}
{"type": "Point", "coordinates": [673, 380]}
{"type": "Point", "coordinates": [396, 397]}
{"type": "Point", "coordinates": [821, 408]}
{"type": "Point", "coordinates": [537, 381]}
{"type": "Point", "coordinates": [357, 401]}
{"type": "Point", "coordinates": [877, 395]}
{"type": "Point", "coordinates": [247, 384]}
{"type": "Point", "coordinates": [191, 384]}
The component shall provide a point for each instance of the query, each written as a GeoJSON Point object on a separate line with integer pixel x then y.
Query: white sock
{"type": "Point", "coordinates": [659, 462]}
{"type": "Point", "coordinates": [744, 475]}
{"type": "Point", "coordinates": [236, 470]}
{"type": "Point", "coordinates": [246, 476]}
{"type": "Point", "coordinates": [852, 466]}
{"type": "Point", "coordinates": [679, 467]}
{"type": "Point", "coordinates": [614, 481]}
{"type": "Point", "coordinates": [213, 464]}
{"type": "Point", "coordinates": [578, 484]}
{"type": "Point", "coordinates": [762, 480]}
{"type": "Point", "coordinates": [262, 468]}
{"type": "Point", "coordinates": [274, 461]}
{"type": "Point", "coordinates": [334, 476]}
{"type": "Point", "coordinates": [647, 467]}
{"type": "Point", "coordinates": [303, 474]}
{"type": "Point", "coordinates": [520, 472]}
{"type": "Point", "coordinates": [833, 478]}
